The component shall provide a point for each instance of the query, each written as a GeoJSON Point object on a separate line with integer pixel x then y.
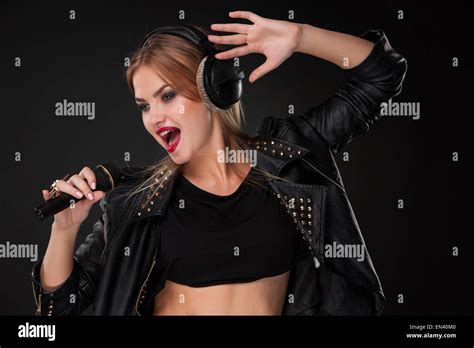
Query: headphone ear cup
{"type": "Point", "coordinates": [203, 87]}
{"type": "Point", "coordinates": [219, 82]}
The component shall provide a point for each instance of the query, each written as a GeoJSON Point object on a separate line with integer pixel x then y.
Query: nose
{"type": "Point", "coordinates": [155, 115]}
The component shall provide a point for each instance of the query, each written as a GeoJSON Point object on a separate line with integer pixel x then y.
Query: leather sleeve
{"type": "Point", "coordinates": [77, 292]}
{"type": "Point", "coordinates": [356, 104]}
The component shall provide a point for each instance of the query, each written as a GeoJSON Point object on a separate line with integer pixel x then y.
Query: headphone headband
{"type": "Point", "coordinates": [185, 31]}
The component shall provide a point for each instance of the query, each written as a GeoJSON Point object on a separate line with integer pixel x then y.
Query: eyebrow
{"type": "Point", "coordinates": [158, 91]}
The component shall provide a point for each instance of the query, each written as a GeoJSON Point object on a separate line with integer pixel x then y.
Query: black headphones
{"type": "Point", "coordinates": [219, 81]}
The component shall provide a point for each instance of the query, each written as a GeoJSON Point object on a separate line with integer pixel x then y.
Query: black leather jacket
{"type": "Point", "coordinates": [298, 148]}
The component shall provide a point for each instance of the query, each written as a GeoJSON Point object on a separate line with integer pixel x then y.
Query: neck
{"type": "Point", "coordinates": [206, 166]}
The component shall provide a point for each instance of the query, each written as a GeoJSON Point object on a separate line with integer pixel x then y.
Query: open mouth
{"type": "Point", "coordinates": [170, 136]}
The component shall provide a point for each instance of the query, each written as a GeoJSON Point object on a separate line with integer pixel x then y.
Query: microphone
{"type": "Point", "coordinates": [107, 177]}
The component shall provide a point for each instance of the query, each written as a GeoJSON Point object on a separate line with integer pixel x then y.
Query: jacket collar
{"type": "Point", "coordinates": [272, 155]}
{"type": "Point", "coordinates": [154, 200]}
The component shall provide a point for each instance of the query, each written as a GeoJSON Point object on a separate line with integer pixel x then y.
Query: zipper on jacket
{"type": "Point", "coordinates": [38, 305]}
{"type": "Point", "coordinates": [320, 172]}
{"type": "Point", "coordinates": [141, 288]}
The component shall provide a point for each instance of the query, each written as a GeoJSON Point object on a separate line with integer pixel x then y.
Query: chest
{"type": "Point", "coordinates": [250, 228]}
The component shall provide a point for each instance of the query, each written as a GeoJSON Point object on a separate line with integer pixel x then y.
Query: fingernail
{"type": "Point", "coordinates": [93, 185]}
{"type": "Point", "coordinates": [91, 196]}
{"type": "Point", "coordinates": [79, 194]}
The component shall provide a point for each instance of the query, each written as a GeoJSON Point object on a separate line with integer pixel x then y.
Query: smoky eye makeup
{"type": "Point", "coordinates": [143, 107]}
{"type": "Point", "coordinates": [165, 96]}
{"type": "Point", "coordinates": [168, 95]}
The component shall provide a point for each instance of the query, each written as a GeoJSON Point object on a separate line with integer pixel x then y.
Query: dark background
{"type": "Point", "coordinates": [400, 158]}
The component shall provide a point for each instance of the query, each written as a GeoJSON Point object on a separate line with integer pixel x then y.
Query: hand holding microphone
{"type": "Point", "coordinates": [78, 193]}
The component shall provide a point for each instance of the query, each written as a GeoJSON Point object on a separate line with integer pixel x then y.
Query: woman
{"type": "Point", "coordinates": [195, 234]}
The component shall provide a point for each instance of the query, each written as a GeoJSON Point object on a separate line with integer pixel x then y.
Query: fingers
{"type": "Point", "coordinates": [46, 195]}
{"type": "Point", "coordinates": [245, 14]}
{"type": "Point", "coordinates": [80, 182]}
{"type": "Point", "coordinates": [232, 27]}
{"type": "Point", "coordinates": [89, 175]}
{"type": "Point", "coordinates": [237, 39]}
{"type": "Point", "coordinates": [76, 186]}
{"type": "Point", "coordinates": [79, 185]}
{"type": "Point", "coordinates": [98, 195]}
{"type": "Point", "coordinates": [261, 70]}
{"type": "Point", "coordinates": [235, 52]}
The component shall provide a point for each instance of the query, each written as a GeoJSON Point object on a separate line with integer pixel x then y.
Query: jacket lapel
{"type": "Point", "coordinates": [306, 205]}
{"type": "Point", "coordinates": [273, 154]}
{"type": "Point", "coordinates": [154, 200]}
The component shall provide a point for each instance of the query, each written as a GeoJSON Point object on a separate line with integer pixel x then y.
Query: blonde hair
{"type": "Point", "coordinates": [176, 61]}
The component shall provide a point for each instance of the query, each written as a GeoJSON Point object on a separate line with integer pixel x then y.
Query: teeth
{"type": "Point", "coordinates": [164, 134]}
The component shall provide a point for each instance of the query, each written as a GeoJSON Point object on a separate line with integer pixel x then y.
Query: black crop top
{"type": "Point", "coordinates": [207, 239]}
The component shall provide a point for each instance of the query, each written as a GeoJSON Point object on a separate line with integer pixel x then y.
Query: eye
{"type": "Point", "coordinates": [144, 107]}
{"type": "Point", "coordinates": [168, 96]}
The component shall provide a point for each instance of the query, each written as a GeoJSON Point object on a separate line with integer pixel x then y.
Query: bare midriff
{"type": "Point", "coordinates": [265, 296]}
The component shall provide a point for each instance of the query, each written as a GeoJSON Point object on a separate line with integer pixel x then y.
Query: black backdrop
{"type": "Point", "coordinates": [82, 59]}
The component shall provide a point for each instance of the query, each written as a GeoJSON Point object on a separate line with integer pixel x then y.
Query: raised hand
{"type": "Point", "coordinates": [276, 39]}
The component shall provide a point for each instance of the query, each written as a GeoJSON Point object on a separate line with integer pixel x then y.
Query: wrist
{"type": "Point", "coordinates": [66, 233]}
{"type": "Point", "coordinates": [302, 29]}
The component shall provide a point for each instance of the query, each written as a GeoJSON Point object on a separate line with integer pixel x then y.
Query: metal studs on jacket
{"type": "Point", "coordinates": [300, 210]}
{"type": "Point", "coordinates": [276, 148]}
{"type": "Point", "coordinates": [153, 192]}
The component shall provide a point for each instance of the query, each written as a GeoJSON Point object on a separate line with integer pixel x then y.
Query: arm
{"type": "Point", "coordinates": [374, 72]}
{"type": "Point", "coordinates": [58, 260]}
{"type": "Point", "coordinates": [344, 50]}
{"type": "Point", "coordinates": [80, 272]}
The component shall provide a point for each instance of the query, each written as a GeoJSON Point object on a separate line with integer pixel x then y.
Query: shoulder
{"type": "Point", "coordinates": [292, 129]}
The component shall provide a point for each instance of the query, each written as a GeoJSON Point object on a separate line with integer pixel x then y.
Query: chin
{"type": "Point", "coordinates": [179, 158]}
